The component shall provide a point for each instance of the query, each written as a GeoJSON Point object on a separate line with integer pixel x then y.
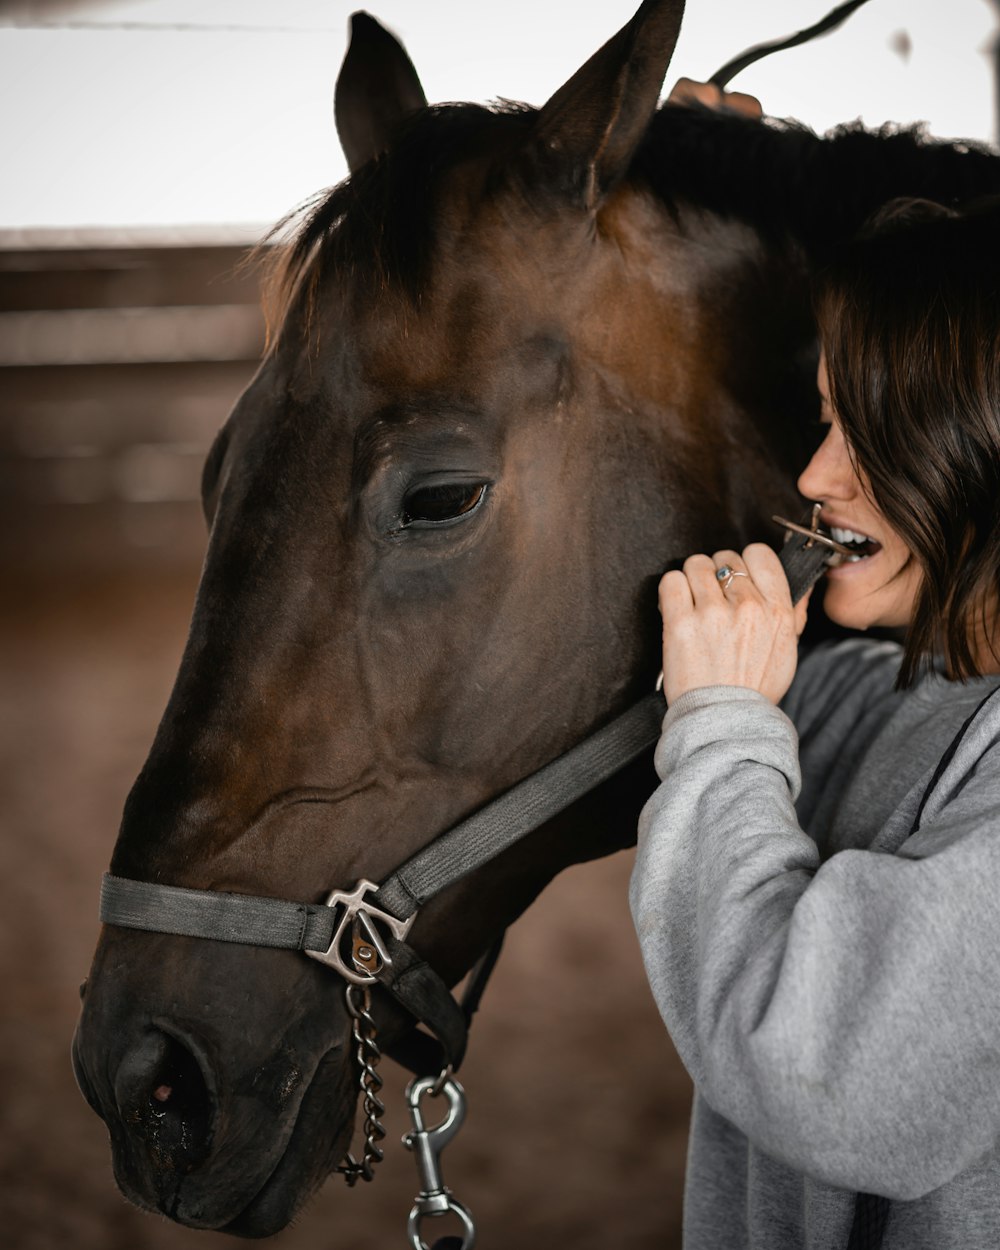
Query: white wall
{"type": "Point", "coordinates": [218, 111]}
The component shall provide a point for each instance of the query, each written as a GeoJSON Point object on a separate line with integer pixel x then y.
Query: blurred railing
{"type": "Point", "coordinates": [118, 363]}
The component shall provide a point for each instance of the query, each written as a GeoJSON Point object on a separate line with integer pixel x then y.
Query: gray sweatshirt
{"type": "Point", "coordinates": [834, 994]}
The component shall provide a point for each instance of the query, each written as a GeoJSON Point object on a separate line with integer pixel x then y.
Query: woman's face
{"type": "Point", "coordinates": [881, 587]}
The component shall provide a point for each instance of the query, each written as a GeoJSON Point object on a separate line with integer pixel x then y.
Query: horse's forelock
{"type": "Point", "coordinates": [376, 227]}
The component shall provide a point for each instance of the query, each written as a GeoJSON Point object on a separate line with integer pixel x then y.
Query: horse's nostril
{"type": "Point", "coordinates": [164, 1099]}
{"type": "Point", "coordinates": [180, 1104]}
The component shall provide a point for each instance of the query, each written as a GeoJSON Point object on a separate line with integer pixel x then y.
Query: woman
{"type": "Point", "coordinates": [817, 887]}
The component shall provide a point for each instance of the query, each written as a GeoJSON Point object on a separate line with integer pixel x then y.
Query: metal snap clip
{"type": "Point", "coordinates": [435, 1198]}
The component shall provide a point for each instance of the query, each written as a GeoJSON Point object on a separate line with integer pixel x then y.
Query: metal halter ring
{"type": "Point", "coordinates": [725, 575]}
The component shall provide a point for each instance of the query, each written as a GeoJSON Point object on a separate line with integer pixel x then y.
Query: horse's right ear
{"type": "Point", "coordinates": [586, 134]}
{"type": "Point", "coordinates": [377, 87]}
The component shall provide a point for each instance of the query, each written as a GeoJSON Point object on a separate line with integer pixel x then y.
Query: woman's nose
{"type": "Point", "coordinates": [830, 473]}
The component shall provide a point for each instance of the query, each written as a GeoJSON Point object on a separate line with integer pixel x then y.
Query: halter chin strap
{"type": "Point", "coordinates": [361, 933]}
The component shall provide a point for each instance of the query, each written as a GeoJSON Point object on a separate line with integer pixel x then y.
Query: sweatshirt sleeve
{"type": "Point", "coordinates": [845, 1017]}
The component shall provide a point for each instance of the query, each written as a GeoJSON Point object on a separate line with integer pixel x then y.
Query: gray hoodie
{"type": "Point", "coordinates": [835, 994]}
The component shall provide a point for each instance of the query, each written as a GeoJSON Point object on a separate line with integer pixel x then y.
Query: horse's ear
{"type": "Point", "coordinates": [377, 87]}
{"type": "Point", "coordinates": [588, 131]}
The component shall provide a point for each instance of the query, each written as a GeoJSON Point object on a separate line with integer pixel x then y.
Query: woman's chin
{"type": "Point", "coordinates": [869, 592]}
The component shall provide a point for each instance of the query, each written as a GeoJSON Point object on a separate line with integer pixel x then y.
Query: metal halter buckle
{"type": "Point", "coordinates": [814, 534]}
{"type": "Point", "coordinates": [358, 950]}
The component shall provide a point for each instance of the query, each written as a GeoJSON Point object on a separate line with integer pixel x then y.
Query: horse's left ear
{"type": "Point", "coordinates": [376, 88]}
{"type": "Point", "coordinates": [588, 131]}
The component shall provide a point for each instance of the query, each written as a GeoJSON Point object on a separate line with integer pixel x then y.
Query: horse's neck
{"type": "Point", "coordinates": [714, 344]}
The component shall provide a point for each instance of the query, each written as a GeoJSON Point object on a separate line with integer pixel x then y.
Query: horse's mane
{"type": "Point", "coordinates": [780, 177]}
{"type": "Point", "coordinates": [787, 182]}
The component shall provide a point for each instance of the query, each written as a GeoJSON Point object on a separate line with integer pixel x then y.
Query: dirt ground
{"type": "Point", "coordinates": [577, 1104]}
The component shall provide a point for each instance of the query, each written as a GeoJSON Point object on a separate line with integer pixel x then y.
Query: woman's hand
{"type": "Point", "coordinates": [687, 91]}
{"type": "Point", "coordinates": [742, 631]}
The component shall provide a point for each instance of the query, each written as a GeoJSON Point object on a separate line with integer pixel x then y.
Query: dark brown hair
{"type": "Point", "coordinates": [909, 317]}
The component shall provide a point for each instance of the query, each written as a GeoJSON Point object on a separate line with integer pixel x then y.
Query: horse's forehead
{"type": "Point", "coordinates": [512, 291]}
{"type": "Point", "coordinates": [485, 315]}
{"type": "Point", "coordinates": [468, 342]}
{"type": "Point", "coordinates": [493, 366]}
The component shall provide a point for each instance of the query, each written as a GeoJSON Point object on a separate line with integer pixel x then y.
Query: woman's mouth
{"type": "Point", "coordinates": [861, 546]}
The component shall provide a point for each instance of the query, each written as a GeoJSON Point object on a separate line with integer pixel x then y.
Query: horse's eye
{"type": "Point", "coordinates": [434, 505]}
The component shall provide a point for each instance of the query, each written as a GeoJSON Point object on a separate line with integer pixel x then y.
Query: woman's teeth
{"type": "Point", "coordinates": [849, 536]}
{"type": "Point", "coordinates": [866, 546]}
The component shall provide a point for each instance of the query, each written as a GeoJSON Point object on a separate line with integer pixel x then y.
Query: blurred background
{"type": "Point", "coordinates": [145, 146]}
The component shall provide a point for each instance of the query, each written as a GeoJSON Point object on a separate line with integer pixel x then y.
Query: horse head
{"type": "Point", "coordinates": [511, 381]}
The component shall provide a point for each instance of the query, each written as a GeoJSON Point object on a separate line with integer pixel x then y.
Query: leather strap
{"type": "Point", "coordinates": [803, 564]}
{"type": "Point", "coordinates": [416, 986]}
{"type": "Point", "coordinates": [722, 77]}
{"type": "Point", "coordinates": [211, 914]}
{"type": "Point", "coordinates": [522, 809]}
{"type": "Point", "coordinates": [424, 1055]}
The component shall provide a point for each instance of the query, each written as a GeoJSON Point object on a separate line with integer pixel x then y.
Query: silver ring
{"type": "Point", "coordinates": [726, 575]}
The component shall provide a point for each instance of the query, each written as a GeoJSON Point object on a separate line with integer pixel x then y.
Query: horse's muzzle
{"type": "Point", "coordinates": [214, 1126]}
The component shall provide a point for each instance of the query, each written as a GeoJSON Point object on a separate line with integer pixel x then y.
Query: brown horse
{"type": "Point", "coordinates": [527, 359]}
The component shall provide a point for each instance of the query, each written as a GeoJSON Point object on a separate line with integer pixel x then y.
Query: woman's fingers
{"type": "Point", "coordinates": [700, 573]}
{"type": "Point", "coordinates": [737, 630]}
{"type": "Point", "coordinates": [740, 102]}
{"type": "Point", "coordinates": [768, 574]}
{"type": "Point", "coordinates": [756, 569]}
{"type": "Point", "coordinates": [769, 577]}
{"type": "Point", "coordinates": [738, 582]}
{"type": "Point", "coordinates": [706, 586]}
{"type": "Point", "coordinates": [675, 594]}
{"type": "Point", "coordinates": [802, 611]}
{"type": "Point", "coordinates": [687, 91]}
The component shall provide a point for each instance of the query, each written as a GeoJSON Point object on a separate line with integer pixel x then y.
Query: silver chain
{"type": "Point", "coordinates": [367, 1053]}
